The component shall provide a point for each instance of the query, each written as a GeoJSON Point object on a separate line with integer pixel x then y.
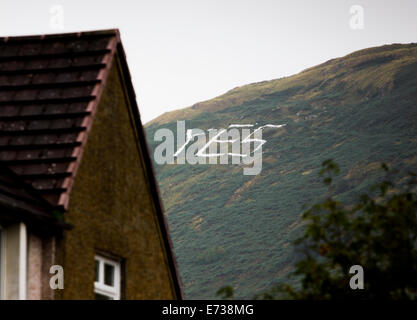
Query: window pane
{"type": "Point", "coordinates": [102, 297]}
{"type": "Point", "coordinates": [97, 270]}
{"type": "Point", "coordinates": [109, 275]}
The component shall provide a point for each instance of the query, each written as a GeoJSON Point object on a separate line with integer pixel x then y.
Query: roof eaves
{"type": "Point", "coordinates": [35, 208]}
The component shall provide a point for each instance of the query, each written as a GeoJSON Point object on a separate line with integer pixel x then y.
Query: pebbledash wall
{"type": "Point", "coordinates": [40, 256]}
{"type": "Point", "coordinates": [111, 208]}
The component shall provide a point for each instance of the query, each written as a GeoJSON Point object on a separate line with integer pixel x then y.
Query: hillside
{"type": "Point", "coordinates": [228, 228]}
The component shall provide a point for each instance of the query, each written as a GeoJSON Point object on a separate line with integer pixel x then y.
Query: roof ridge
{"type": "Point", "coordinates": [65, 35]}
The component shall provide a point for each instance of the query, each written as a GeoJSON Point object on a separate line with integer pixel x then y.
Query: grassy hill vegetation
{"type": "Point", "coordinates": [232, 229]}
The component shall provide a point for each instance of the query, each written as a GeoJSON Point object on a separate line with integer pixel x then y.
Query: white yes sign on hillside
{"type": "Point", "coordinates": [194, 148]}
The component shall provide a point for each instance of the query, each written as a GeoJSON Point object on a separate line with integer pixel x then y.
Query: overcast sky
{"type": "Point", "coordinates": [184, 51]}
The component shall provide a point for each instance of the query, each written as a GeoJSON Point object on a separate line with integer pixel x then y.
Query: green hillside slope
{"type": "Point", "coordinates": [232, 229]}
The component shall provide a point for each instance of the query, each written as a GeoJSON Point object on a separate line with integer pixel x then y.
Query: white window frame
{"type": "Point", "coordinates": [112, 292]}
{"type": "Point", "coordinates": [15, 235]}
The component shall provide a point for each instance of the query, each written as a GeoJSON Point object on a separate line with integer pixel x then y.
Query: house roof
{"type": "Point", "coordinates": [50, 87]}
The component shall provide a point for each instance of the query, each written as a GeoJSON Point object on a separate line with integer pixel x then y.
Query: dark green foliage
{"type": "Point", "coordinates": [226, 292]}
{"type": "Point", "coordinates": [379, 233]}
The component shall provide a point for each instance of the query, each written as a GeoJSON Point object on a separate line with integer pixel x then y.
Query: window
{"type": "Point", "coordinates": [107, 279]}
